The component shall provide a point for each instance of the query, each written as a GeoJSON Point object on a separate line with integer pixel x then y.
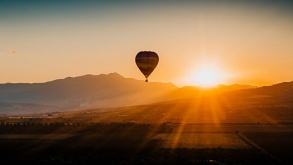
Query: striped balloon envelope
{"type": "Point", "coordinates": [146, 61]}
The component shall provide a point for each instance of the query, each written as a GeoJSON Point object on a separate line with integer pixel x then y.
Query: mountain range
{"type": "Point", "coordinates": [113, 90]}
{"type": "Point", "coordinates": [86, 91]}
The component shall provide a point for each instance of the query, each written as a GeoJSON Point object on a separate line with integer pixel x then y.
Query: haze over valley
{"type": "Point", "coordinates": [94, 91]}
{"type": "Point", "coordinates": [113, 98]}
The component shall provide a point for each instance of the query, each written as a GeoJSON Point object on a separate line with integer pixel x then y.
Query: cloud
{"type": "Point", "coordinates": [13, 52]}
{"type": "Point", "coordinates": [8, 52]}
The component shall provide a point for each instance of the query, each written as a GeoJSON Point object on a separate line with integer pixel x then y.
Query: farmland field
{"type": "Point", "coordinates": [280, 144]}
{"type": "Point", "coordinates": [64, 142]}
{"type": "Point", "coordinates": [201, 140]}
{"type": "Point", "coordinates": [37, 136]}
{"type": "Point", "coordinates": [134, 143]}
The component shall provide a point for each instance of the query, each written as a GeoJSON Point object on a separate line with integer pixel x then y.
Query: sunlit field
{"type": "Point", "coordinates": [213, 109]}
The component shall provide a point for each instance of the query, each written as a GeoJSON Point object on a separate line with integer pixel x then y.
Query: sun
{"type": "Point", "coordinates": [207, 76]}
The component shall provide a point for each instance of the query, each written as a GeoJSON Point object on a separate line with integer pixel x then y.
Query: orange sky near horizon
{"type": "Point", "coordinates": [248, 43]}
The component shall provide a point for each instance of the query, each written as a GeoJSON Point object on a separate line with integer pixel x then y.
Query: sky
{"type": "Point", "coordinates": [245, 42]}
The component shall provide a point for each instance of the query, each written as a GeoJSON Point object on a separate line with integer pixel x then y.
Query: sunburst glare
{"type": "Point", "coordinates": [208, 76]}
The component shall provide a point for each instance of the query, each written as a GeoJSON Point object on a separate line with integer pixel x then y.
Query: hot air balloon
{"type": "Point", "coordinates": [146, 61]}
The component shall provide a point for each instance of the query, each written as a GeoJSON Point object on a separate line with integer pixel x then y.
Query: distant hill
{"type": "Point", "coordinates": [114, 90]}
{"type": "Point", "coordinates": [104, 90]}
{"type": "Point", "coordinates": [263, 105]}
{"type": "Point", "coordinates": [281, 93]}
{"type": "Point", "coordinates": [194, 91]}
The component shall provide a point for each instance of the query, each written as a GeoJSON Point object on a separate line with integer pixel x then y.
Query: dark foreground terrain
{"type": "Point", "coordinates": [131, 143]}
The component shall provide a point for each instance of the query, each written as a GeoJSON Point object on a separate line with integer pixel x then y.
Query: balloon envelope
{"type": "Point", "coordinates": [146, 61]}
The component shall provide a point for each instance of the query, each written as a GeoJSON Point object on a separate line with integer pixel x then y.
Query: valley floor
{"type": "Point", "coordinates": [130, 143]}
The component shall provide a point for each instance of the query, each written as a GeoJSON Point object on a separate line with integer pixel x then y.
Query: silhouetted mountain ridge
{"type": "Point", "coordinates": [114, 90]}
{"type": "Point", "coordinates": [262, 105]}
{"type": "Point", "coordinates": [104, 90]}
{"type": "Point", "coordinates": [281, 92]}
{"type": "Point", "coordinates": [195, 91]}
